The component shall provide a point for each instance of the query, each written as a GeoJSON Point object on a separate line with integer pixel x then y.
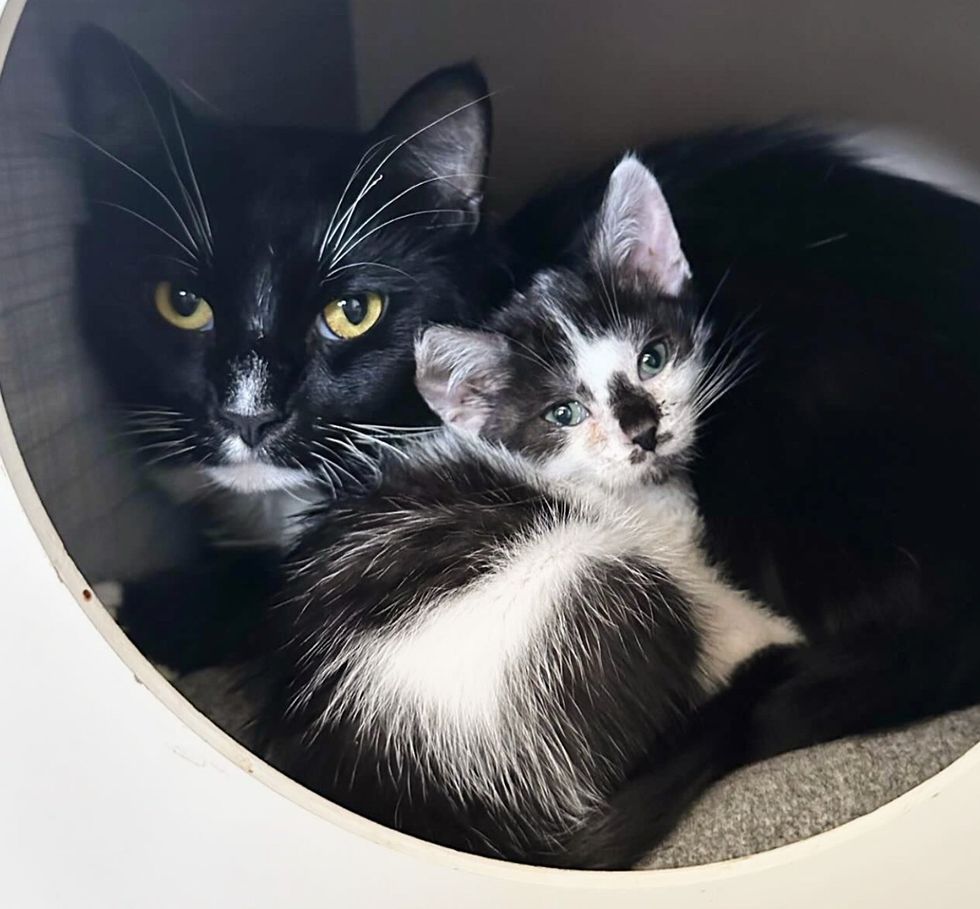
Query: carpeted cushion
{"type": "Point", "coordinates": [760, 807]}
{"type": "Point", "coordinates": [797, 795]}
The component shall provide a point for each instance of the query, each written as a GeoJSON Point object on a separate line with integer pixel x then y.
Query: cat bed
{"type": "Point", "coordinates": [770, 804]}
{"type": "Point", "coordinates": [98, 515]}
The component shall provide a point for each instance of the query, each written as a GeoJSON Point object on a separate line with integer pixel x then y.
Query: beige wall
{"type": "Point", "coordinates": [579, 79]}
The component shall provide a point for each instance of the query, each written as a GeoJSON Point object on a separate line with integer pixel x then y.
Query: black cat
{"type": "Point", "coordinates": [839, 480]}
{"type": "Point", "coordinates": [251, 296]}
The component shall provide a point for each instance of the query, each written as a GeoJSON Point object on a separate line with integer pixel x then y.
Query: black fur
{"type": "Point", "coordinates": [257, 204]}
{"type": "Point", "coordinates": [839, 481]}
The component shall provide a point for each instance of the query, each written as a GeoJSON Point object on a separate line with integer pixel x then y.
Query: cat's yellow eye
{"type": "Point", "coordinates": [181, 308]}
{"type": "Point", "coordinates": [350, 317]}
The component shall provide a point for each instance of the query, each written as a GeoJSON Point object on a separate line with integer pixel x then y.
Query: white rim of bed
{"type": "Point", "coordinates": [957, 816]}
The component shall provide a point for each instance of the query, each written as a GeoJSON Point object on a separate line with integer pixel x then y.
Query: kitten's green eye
{"type": "Point", "coordinates": [183, 309]}
{"type": "Point", "coordinates": [568, 413]}
{"type": "Point", "coordinates": [350, 317]}
{"type": "Point", "coordinates": [653, 359]}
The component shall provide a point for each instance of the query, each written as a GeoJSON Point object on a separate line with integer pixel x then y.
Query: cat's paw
{"type": "Point", "coordinates": [111, 595]}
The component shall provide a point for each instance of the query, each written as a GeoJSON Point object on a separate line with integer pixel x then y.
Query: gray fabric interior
{"type": "Point", "coordinates": [288, 61]}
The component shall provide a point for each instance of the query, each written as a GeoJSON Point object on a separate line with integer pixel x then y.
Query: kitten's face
{"type": "Point", "coordinates": [252, 294]}
{"type": "Point", "coordinates": [596, 374]}
{"type": "Point", "coordinates": [597, 393]}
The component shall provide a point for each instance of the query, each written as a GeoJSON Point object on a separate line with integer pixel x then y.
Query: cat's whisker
{"type": "Point", "coordinates": [342, 254]}
{"type": "Point", "coordinates": [373, 440]}
{"type": "Point", "coordinates": [341, 268]}
{"type": "Point", "coordinates": [202, 208]}
{"type": "Point", "coordinates": [147, 431]}
{"type": "Point", "coordinates": [150, 223]}
{"type": "Point", "coordinates": [170, 455]}
{"type": "Point", "coordinates": [332, 224]}
{"type": "Point", "coordinates": [165, 443]}
{"type": "Point", "coordinates": [183, 263]}
{"type": "Point", "coordinates": [336, 466]}
{"type": "Point", "coordinates": [172, 164]}
{"type": "Point", "coordinates": [396, 429]}
{"type": "Point", "coordinates": [371, 182]}
{"type": "Point", "coordinates": [149, 183]}
{"type": "Point", "coordinates": [358, 231]}
{"type": "Point", "coordinates": [153, 411]}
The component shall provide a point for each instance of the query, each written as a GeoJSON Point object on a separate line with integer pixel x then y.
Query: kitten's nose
{"type": "Point", "coordinates": [253, 428]}
{"type": "Point", "coordinates": [647, 440]}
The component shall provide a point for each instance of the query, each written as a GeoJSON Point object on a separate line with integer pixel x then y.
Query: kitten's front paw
{"type": "Point", "coordinates": [111, 595]}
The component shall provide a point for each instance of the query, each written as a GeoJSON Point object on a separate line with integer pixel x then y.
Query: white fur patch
{"type": "Point", "coordinates": [248, 392]}
{"type": "Point", "coordinates": [597, 450]}
{"type": "Point", "coordinates": [257, 477]}
{"type": "Point", "coordinates": [466, 685]}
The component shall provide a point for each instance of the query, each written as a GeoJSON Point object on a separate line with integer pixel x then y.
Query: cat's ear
{"type": "Point", "coordinates": [117, 101]}
{"type": "Point", "coordinates": [444, 125]}
{"type": "Point", "coordinates": [635, 231]}
{"type": "Point", "coordinates": [459, 373]}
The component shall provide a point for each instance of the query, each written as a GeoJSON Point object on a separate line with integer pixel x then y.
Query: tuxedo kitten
{"type": "Point", "coordinates": [838, 482]}
{"type": "Point", "coordinates": [481, 649]}
{"type": "Point", "coordinates": [251, 296]}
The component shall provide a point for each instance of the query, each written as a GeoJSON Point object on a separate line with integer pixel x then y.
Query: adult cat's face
{"type": "Point", "coordinates": [252, 293]}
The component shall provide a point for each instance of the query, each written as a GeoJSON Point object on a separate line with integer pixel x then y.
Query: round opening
{"type": "Point", "coordinates": [115, 525]}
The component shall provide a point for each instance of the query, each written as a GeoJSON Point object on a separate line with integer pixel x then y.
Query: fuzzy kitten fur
{"type": "Point", "coordinates": [480, 650]}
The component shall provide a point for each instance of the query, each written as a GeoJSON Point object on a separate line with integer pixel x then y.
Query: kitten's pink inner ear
{"type": "Point", "coordinates": [636, 230]}
{"type": "Point", "coordinates": [456, 372]}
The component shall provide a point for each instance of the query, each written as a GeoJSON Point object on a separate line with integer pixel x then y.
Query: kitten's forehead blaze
{"type": "Point", "coordinates": [572, 327]}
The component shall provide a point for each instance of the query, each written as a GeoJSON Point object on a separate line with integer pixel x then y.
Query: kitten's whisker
{"type": "Point", "coordinates": [537, 358]}
{"type": "Point", "coordinates": [726, 372]}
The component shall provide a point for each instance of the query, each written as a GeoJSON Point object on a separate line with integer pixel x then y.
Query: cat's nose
{"type": "Point", "coordinates": [253, 428]}
{"type": "Point", "coordinates": [647, 440]}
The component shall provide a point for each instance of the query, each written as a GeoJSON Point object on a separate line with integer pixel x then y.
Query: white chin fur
{"type": "Point", "coordinates": [257, 477]}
